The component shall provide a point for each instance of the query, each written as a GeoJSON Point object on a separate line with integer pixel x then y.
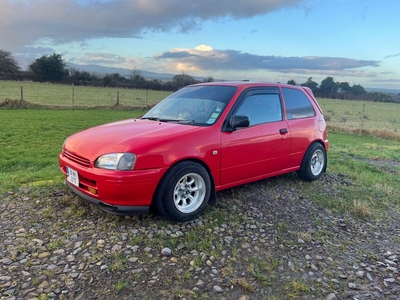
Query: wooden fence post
{"type": "Point", "coordinates": [362, 117]}
{"type": "Point", "coordinates": [22, 93]}
{"type": "Point", "coordinates": [147, 99]}
{"type": "Point", "coordinates": [73, 96]}
{"type": "Point", "coordinates": [117, 98]}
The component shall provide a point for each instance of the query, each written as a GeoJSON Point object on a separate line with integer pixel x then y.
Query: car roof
{"type": "Point", "coordinates": [246, 83]}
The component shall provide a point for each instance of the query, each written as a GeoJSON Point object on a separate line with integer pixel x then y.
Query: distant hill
{"type": "Point", "coordinates": [387, 91]}
{"type": "Point", "coordinates": [123, 72]}
{"type": "Point", "coordinates": [167, 76]}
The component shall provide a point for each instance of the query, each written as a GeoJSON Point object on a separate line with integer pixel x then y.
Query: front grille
{"type": "Point", "coordinates": [77, 159]}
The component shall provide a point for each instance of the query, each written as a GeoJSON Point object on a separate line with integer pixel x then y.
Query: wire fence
{"type": "Point", "coordinates": [78, 96]}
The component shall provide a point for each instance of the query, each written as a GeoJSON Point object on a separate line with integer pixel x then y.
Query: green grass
{"type": "Point", "coordinates": [30, 141]}
{"type": "Point", "coordinates": [61, 95]}
{"type": "Point", "coordinates": [367, 172]}
{"type": "Point", "coordinates": [368, 162]}
{"type": "Point", "coordinates": [296, 289]}
{"type": "Point", "coordinates": [120, 285]}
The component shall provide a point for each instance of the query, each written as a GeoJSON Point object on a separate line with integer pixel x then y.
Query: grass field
{"type": "Point", "coordinates": [365, 115]}
{"type": "Point", "coordinates": [30, 141]}
{"type": "Point", "coordinates": [69, 96]}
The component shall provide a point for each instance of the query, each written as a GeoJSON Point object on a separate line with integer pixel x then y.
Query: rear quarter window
{"type": "Point", "coordinates": [297, 104]}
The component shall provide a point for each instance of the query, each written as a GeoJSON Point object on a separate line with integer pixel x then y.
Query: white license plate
{"type": "Point", "coordinates": [72, 176]}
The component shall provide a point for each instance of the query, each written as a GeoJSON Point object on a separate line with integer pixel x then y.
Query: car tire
{"type": "Point", "coordinates": [314, 163]}
{"type": "Point", "coordinates": [183, 192]}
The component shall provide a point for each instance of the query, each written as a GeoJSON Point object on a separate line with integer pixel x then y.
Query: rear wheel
{"type": "Point", "coordinates": [183, 192]}
{"type": "Point", "coordinates": [314, 163]}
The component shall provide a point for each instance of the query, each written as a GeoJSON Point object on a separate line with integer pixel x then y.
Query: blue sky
{"type": "Point", "coordinates": [356, 41]}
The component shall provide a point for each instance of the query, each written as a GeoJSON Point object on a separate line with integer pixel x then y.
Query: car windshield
{"type": "Point", "coordinates": [198, 105]}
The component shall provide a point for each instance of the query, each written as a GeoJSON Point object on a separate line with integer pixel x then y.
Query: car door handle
{"type": "Point", "coordinates": [283, 131]}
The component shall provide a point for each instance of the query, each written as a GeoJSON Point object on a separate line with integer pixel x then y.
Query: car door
{"type": "Point", "coordinates": [262, 148]}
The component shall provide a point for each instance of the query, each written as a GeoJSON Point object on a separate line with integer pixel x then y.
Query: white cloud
{"type": "Point", "coordinates": [203, 48]}
{"type": "Point", "coordinates": [213, 60]}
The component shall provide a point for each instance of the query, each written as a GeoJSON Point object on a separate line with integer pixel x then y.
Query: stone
{"type": "Point", "coordinates": [166, 251]}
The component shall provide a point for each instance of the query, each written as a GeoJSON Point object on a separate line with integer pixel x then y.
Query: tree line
{"type": "Point", "coordinates": [52, 68]}
{"type": "Point", "coordinates": [342, 90]}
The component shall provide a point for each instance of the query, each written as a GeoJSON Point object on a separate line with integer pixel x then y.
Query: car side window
{"type": "Point", "coordinates": [297, 104]}
{"type": "Point", "coordinates": [261, 108]}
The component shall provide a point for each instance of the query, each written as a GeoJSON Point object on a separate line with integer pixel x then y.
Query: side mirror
{"type": "Point", "coordinates": [239, 121]}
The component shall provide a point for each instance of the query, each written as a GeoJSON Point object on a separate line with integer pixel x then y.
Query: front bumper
{"type": "Point", "coordinates": [120, 210]}
{"type": "Point", "coordinates": [117, 192]}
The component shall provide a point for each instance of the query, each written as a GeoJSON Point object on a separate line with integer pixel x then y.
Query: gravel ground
{"type": "Point", "coordinates": [265, 240]}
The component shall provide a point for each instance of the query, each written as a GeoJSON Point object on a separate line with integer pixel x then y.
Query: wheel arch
{"type": "Point", "coordinates": [305, 172]}
{"type": "Point", "coordinates": [326, 152]}
{"type": "Point", "coordinates": [213, 194]}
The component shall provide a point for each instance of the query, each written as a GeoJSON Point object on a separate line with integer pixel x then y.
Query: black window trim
{"type": "Point", "coordinates": [285, 103]}
{"type": "Point", "coordinates": [249, 92]}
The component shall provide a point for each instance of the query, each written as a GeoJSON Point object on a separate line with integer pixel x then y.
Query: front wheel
{"type": "Point", "coordinates": [314, 163]}
{"type": "Point", "coordinates": [183, 192]}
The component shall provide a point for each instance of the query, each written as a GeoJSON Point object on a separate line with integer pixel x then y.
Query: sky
{"type": "Point", "coordinates": [354, 41]}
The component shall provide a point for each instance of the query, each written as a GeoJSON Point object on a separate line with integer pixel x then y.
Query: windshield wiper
{"type": "Point", "coordinates": [170, 120]}
{"type": "Point", "coordinates": [178, 121]}
{"type": "Point", "coordinates": [151, 118]}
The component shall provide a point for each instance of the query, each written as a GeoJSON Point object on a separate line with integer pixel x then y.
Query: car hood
{"type": "Point", "coordinates": [124, 136]}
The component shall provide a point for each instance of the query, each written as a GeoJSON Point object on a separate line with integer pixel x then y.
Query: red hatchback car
{"type": "Point", "coordinates": [197, 141]}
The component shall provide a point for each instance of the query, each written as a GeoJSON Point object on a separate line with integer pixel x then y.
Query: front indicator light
{"type": "Point", "coordinates": [92, 190]}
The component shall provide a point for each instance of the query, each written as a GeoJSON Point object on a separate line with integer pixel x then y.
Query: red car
{"type": "Point", "coordinates": [201, 139]}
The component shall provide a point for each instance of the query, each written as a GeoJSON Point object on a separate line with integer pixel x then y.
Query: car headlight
{"type": "Point", "coordinates": [116, 161]}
